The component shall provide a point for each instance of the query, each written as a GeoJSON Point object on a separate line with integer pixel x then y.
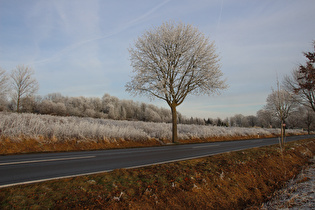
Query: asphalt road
{"type": "Point", "coordinates": [30, 168]}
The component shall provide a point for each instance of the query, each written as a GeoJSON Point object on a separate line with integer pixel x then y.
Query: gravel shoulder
{"type": "Point", "coordinates": [298, 194]}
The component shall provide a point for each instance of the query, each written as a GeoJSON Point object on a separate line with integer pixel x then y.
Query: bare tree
{"type": "Point", "coordinates": [174, 60]}
{"type": "Point", "coordinates": [3, 89]}
{"type": "Point", "coordinates": [280, 103]}
{"type": "Point", "coordinates": [302, 117]}
{"type": "Point", "coordinates": [309, 117]}
{"type": "Point", "coordinates": [23, 84]}
{"type": "Point", "coordinates": [264, 118]}
{"type": "Point", "coordinates": [302, 81]}
{"type": "Point", "coordinates": [3, 82]}
{"type": "Point", "coordinates": [251, 120]}
{"type": "Point", "coordinates": [305, 97]}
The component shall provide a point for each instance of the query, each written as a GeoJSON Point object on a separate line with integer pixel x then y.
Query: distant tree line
{"type": "Point", "coordinates": [299, 118]}
{"type": "Point", "coordinates": [107, 107]}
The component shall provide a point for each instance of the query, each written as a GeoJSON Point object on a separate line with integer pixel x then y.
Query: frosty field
{"type": "Point", "coordinates": [54, 128]}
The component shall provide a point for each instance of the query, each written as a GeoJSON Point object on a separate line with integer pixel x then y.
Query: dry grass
{"type": "Point", "coordinates": [29, 145]}
{"type": "Point", "coordinates": [25, 144]}
{"type": "Point", "coordinates": [234, 180]}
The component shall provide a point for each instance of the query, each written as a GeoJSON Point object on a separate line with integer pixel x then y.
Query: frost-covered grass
{"type": "Point", "coordinates": [13, 126]}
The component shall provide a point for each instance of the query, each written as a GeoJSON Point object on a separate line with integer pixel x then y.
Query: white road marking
{"type": "Point", "coordinates": [46, 160]}
{"type": "Point", "coordinates": [212, 145]}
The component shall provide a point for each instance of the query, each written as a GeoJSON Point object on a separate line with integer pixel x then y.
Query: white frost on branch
{"type": "Point", "coordinates": [172, 61]}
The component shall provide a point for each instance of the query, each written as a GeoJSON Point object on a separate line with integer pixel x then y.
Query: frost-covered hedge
{"type": "Point", "coordinates": [63, 128]}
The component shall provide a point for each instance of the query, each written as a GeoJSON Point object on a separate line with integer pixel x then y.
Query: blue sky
{"type": "Point", "coordinates": [80, 48]}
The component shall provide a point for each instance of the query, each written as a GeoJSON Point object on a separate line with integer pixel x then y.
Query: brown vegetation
{"type": "Point", "coordinates": [24, 144]}
{"type": "Point", "coordinates": [29, 145]}
{"type": "Point", "coordinates": [226, 138]}
{"type": "Point", "coordinates": [234, 180]}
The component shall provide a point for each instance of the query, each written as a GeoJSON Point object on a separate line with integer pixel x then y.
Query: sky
{"type": "Point", "coordinates": [80, 48]}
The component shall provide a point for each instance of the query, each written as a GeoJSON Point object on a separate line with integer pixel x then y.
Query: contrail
{"type": "Point", "coordinates": [114, 32]}
{"type": "Point", "coordinates": [136, 20]}
{"type": "Point", "coordinates": [219, 19]}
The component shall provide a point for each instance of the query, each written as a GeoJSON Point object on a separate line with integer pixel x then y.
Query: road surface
{"type": "Point", "coordinates": [31, 168]}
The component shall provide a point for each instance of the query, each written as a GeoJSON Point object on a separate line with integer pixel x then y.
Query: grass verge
{"type": "Point", "coordinates": [28, 145]}
{"type": "Point", "coordinates": [234, 180]}
{"type": "Point", "coordinates": [25, 144]}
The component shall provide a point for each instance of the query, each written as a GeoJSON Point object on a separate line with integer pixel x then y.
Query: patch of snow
{"type": "Point", "coordinates": [299, 193]}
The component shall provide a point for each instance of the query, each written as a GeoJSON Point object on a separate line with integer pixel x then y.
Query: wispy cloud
{"type": "Point", "coordinates": [56, 24]}
{"type": "Point", "coordinates": [99, 36]}
{"type": "Point", "coordinates": [145, 15]}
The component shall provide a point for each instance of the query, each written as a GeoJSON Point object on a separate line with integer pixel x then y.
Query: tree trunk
{"type": "Point", "coordinates": [282, 133]}
{"type": "Point", "coordinates": [18, 105]}
{"type": "Point", "coordinates": [174, 123]}
{"type": "Point", "coordinates": [284, 125]}
{"type": "Point", "coordinates": [309, 122]}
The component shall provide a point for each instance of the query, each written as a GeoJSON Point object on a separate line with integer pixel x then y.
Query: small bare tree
{"type": "Point", "coordinates": [3, 89]}
{"type": "Point", "coordinates": [3, 83]}
{"type": "Point", "coordinates": [174, 60]}
{"type": "Point", "coordinates": [309, 118]}
{"type": "Point", "coordinates": [264, 118]}
{"type": "Point", "coordinates": [23, 84]}
{"type": "Point", "coordinates": [280, 103]}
